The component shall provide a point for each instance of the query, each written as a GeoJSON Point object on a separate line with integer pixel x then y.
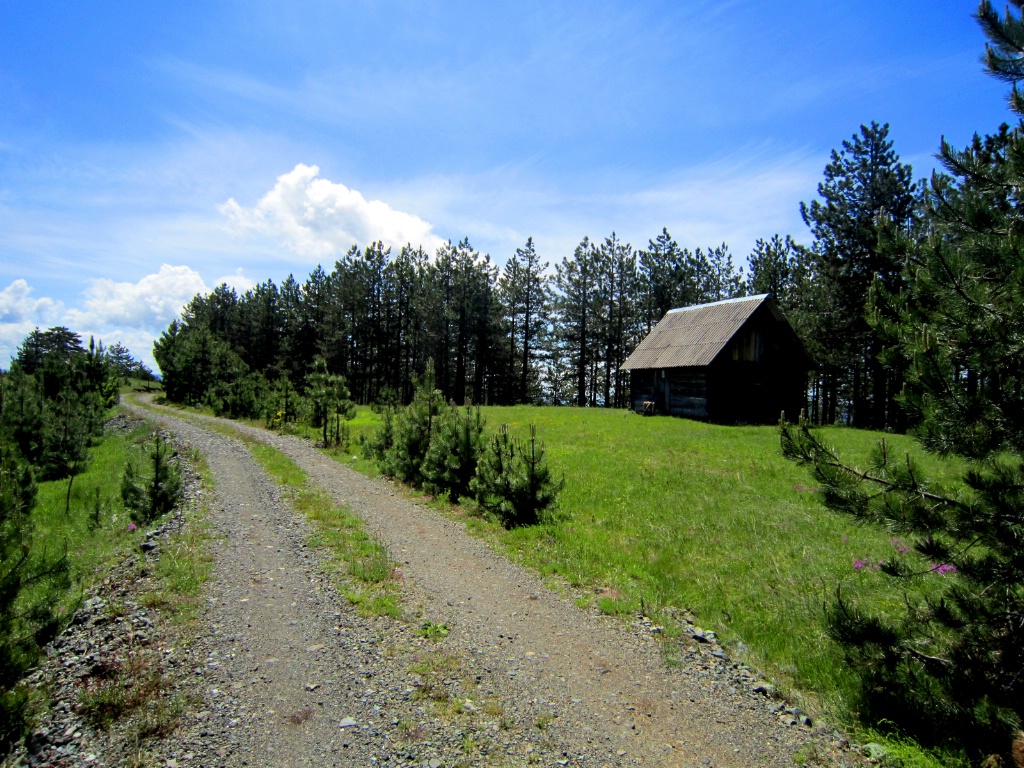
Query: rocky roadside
{"type": "Point", "coordinates": [106, 686]}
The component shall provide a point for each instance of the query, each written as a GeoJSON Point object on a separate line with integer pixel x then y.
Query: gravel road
{"type": "Point", "coordinates": [290, 675]}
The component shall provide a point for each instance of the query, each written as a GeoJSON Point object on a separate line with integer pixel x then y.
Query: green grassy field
{"type": "Point", "coordinates": [662, 512]}
{"type": "Point", "coordinates": [96, 528]}
{"type": "Point", "coordinates": [97, 531]}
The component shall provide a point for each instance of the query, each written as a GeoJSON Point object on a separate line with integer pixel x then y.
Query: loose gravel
{"type": "Point", "coordinates": [285, 672]}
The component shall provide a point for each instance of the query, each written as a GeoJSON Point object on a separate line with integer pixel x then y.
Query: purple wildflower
{"type": "Point", "coordinates": [858, 563]}
{"type": "Point", "coordinates": [943, 568]}
{"type": "Point", "coordinates": [900, 546]}
{"type": "Point", "coordinates": [132, 526]}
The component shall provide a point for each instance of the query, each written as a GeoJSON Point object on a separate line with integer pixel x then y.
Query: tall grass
{"type": "Point", "coordinates": [667, 512]}
{"type": "Point", "coordinates": [662, 512]}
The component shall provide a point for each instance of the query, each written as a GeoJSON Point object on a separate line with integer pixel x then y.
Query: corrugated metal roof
{"type": "Point", "coordinates": [693, 336]}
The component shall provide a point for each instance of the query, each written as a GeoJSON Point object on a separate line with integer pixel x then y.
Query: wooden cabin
{"type": "Point", "coordinates": [731, 362]}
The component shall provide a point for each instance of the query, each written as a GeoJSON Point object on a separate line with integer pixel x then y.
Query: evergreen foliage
{"type": "Point", "coordinates": [378, 444]}
{"type": "Point", "coordinates": [515, 336]}
{"type": "Point", "coordinates": [53, 403]}
{"type": "Point", "coordinates": [451, 458]}
{"type": "Point", "coordinates": [330, 400]}
{"type": "Point", "coordinates": [414, 427]}
{"type": "Point", "coordinates": [953, 668]}
{"type": "Point", "coordinates": [24, 625]}
{"type": "Point", "coordinates": [864, 182]}
{"type": "Point", "coordinates": [513, 480]}
{"type": "Point", "coordinates": [54, 399]}
{"type": "Point", "coordinates": [779, 267]}
{"type": "Point", "coordinates": [525, 300]}
{"type": "Point", "coordinates": [154, 491]}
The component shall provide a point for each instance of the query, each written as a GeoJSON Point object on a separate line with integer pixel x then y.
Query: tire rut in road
{"type": "Point", "coordinates": [570, 685]}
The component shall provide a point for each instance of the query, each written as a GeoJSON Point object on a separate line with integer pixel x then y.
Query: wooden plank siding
{"type": "Point", "coordinates": [759, 370]}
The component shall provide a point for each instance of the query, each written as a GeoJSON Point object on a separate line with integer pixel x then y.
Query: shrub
{"type": "Point", "coordinates": [455, 446]}
{"type": "Point", "coordinates": [147, 495]}
{"type": "Point", "coordinates": [330, 401]}
{"type": "Point", "coordinates": [514, 481]}
{"type": "Point", "coordinates": [413, 429]}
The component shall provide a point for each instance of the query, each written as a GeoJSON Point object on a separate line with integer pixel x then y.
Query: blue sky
{"type": "Point", "coordinates": [149, 151]}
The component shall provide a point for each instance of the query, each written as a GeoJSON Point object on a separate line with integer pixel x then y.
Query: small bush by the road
{"type": "Point", "coordinates": [149, 493]}
{"type": "Point", "coordinates": [414, 426]}
{"type": "Point", "coordinates": [455, 446]}
{"type": "Point", "coordinates": [513, 480]}
{"type": "Point", "coordinates": [441, 448]}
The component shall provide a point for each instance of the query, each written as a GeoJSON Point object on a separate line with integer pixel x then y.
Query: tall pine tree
{"type": "Point", "coordinates": [863, 181]}
{"type": "Point", "coordinates": [952, 669]}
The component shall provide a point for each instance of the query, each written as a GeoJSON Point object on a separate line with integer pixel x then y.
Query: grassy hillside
{"type": "Point", "coordinates": [663, 512]}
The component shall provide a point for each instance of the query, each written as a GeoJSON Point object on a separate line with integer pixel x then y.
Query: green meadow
{"type": "Point", "coordinates": [94, 528]}
{"type": "Point", "coordinates": [95, 531]}
{"type": "Point", "coordinates": [667, 513]}
{"type": "Point", "coordinates": [662, 512]}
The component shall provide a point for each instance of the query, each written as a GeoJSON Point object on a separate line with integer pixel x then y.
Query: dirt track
{"type": "Point", "coordinates": [529, 677]}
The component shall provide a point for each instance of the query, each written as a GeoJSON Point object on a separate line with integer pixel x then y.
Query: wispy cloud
{"type": "Point", "coordinates": [751, 193]}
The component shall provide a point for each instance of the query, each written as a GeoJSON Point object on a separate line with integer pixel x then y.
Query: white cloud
{"type": "Point", "coordinates": [152, 302]}
{"type": "Point", "coordinates": [20, 314]}
{"type": "Point", "coordinates": [319, 219]}
{"type": "Point", "coordinates": [17, 307]}
{"type": "Point", "coordinates": [134, 314]}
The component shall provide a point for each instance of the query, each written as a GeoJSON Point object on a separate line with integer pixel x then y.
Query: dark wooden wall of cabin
{"type": "Point", "coordinates": [741, 392]}
{"type": "Point", "coordinates": [761, 373]}
{"type": "Point", "coordinates": [681, 392]}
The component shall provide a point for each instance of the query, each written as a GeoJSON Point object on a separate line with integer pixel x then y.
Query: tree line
{"type": "Point", "coordinates": [530, 333]}
{"type": "Point", "coordinates": [519, 334]}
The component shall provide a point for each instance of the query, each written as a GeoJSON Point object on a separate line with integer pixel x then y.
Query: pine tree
{"type": "Point", "coordinates": [455, 445]}
{"type": "Point", "coordinates": [666, 279]}
{"type": "Point", "coordinates": [579, 317]}
{"type": "Point", "coordinates": [778, 267]}
{"type": "Point", "coordinates": [412, 430]}
{"type": "Point", "coordinates": [717, 276]}
{"type": "Point", "coordinates": [525, 296]}
{"type": "Point", "coordinates": [953, 667]}
{"type": "Point", "coordinates": [513, 480]}
{"type": "Point", "coordinates": [863, 182]}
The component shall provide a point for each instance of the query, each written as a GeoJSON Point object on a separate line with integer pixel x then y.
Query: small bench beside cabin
{"type": "Point", "coordinates": [736, 361]}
